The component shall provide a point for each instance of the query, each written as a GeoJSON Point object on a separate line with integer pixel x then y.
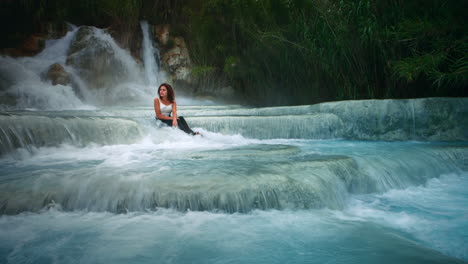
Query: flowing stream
{"type": "Point", "coordinates": [82, 181]}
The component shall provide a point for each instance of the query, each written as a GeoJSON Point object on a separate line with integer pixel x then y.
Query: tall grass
{"type": "Point", "coordinates": [294, 52]}
{"type": "Point", "coordinates": [278, 52]}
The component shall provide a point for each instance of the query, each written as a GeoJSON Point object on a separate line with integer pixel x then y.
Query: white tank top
{"type": "Point", "coordinates": [165, 109]}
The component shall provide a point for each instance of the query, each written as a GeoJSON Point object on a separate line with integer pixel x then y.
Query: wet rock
{"type": "Point", "coordinates": [58, 75]}
{"type": "Point", "coordinates": [94, 56]}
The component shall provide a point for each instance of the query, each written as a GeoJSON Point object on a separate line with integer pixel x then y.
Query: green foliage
{"type": "Point", "coordinates": [412, 68]}
{"type": "Point", "coordinates": [83, 12]}
{"type": "Point", "coordinates": [201, 71]}
{"type": "Point", "coordinates": [298, 51]}
{"type": "Point", "coordinates": [230, 65]}
{"type": "Point", "coordinates": [435, 48]}
{"type": "Point", "coordinates": [126, 10]}
{"type": "Point", "coordinates": [457, 72]}
{"type": "Point", "coordinates": [292, 52]}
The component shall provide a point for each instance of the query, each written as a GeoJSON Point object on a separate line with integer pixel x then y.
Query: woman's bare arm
{"type": "Point", "coordinates": [157, 110]}
{"type": "Point", "coordinates": [174, 114]}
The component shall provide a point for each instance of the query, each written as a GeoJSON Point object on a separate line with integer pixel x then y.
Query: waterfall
{"type": "Point", "coordinates": [206, 181]}
{"type": "Point", "coordinates": [28, 131]}
{"type": "Point", "coordinates": [56, 49]}
{"type": "Point", "coordinates": [23, 80]}
{"type": "Point", "coordinates": [150, 57]}
{"type": "Point", "coordinates": [413, 118]}
{"type": "Point", "coordinates": [61, 171]}
{"type": "Point", "coordinates": [311, 181]}
{"type": "Point", "coordinates": [130, 68]}
{"type": "Point", "coordinates": [431, 119]}
{"type": "Point", "coordinates": [295, 184]}
{"type": "Point", "coordinates": [444, 120]}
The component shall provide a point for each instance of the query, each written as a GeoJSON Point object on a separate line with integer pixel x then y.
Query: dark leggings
{"type": "Point", "coordinates": [181, 124]}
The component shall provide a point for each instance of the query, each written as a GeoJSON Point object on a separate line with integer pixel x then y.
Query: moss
{"type": "Point", "coordinates": [201, 71]}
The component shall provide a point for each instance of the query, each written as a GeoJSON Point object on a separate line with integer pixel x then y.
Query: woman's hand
{"type": "Point", "coordinates": [174, 122]}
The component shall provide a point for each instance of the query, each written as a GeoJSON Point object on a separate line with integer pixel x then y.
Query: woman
{"type": "Point", "coordinates": [165, 105]}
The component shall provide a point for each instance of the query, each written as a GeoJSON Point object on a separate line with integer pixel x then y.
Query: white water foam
{"type": "Point", "coordinates": [434, 213]}
{"type": "Point", "coordinates": [163, 139]}
{"type": "Point", "coordinates": [152, 73]}
{"type": "Point", "coordinates": [23, 79]}
{"type": "Point", "coordinates": [55, 50]}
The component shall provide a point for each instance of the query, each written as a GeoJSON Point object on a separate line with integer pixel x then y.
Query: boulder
{"type": "Point", "coordinates": [95, 57]}
{"type": "Point", "coordinates": [58, 75]}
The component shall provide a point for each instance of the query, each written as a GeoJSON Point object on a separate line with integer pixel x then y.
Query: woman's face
{"type": "Point", "coordinates": [163, 91]}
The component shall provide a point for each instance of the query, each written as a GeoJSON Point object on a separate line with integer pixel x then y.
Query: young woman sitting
{"type": "Point", "coordinates": [166, 109]}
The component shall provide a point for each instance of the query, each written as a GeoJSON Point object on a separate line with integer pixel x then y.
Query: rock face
{"type": "Point", "coordinates": [161, 33]}
{"type": "Point", "coordinates": [177, 60]}
{"type": "Point", "coordinates": [58, 75]}
{"type": "Point", "coordinates": [31, 46]}
{"type": "Point", "coordinates": [175, 57]}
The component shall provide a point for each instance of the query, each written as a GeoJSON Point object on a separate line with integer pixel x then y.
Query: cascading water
{"type": "Point", "coordinates": [116, 78]}
{"type": "Point", "coordinates": [82, 181]}
{"type": "Point", "coordinates": [24, 85]}
{"type": "Point", "coordinates": [150, 56]}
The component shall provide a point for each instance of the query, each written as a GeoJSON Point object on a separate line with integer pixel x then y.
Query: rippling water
{"type": "Point", "coordinates": [115, 186]}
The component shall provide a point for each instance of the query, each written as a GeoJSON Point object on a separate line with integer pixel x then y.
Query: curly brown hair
{"type": "Point", "coordinates": [170, 92]}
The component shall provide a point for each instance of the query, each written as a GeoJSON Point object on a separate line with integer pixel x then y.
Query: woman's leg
{"type": "Point", "coordinates": [181, 123]}
{"type": "Point", "coordinates": [167, 122]}
{"type": "Point", "coordinates": [184, 126]}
